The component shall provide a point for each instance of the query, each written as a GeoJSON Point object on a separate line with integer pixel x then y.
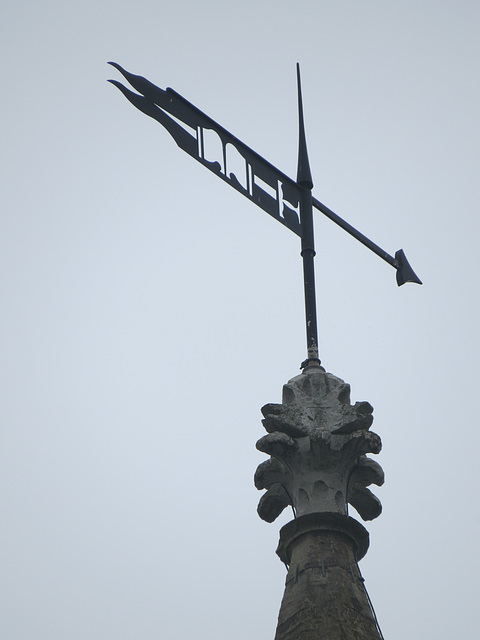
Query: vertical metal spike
{"type": "Point", "coordinates": [304, 176]}
{"type": "Point", "coordinates": [305, 182]}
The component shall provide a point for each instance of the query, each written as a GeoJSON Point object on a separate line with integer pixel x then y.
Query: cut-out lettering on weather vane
{"type": "Point", "coordinates": [288, 201]}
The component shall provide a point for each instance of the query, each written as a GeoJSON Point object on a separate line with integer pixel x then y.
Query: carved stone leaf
{"type": "Point", "coordinates": [277, 444]}
{"type": "Point", "coordinates": [268, 473]}
{"type": "Point", "coordinates": [368, 506]}
{"type": "Point", "coordinates": [273, 503]}
{"type": "Point", "coordinates": [282, 423]}
{"type": "Point", "coordinates": [367, 472]}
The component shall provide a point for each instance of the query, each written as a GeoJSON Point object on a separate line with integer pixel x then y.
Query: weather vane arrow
{"type": "Point", "coordinates": [288, 201]}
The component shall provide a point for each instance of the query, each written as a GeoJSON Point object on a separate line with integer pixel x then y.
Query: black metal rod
{"type": "Point", "coordinates": [353, 232]}
{"type": "Point", "coordinates": [308, 254]}
{"type": "Point", "coordinates": [304, 180]}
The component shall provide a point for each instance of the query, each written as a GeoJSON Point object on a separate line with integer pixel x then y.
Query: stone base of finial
{"type": "Point", "coordinates": [325, 596]}
{"type": "Point", "coordinates": [318, 524]}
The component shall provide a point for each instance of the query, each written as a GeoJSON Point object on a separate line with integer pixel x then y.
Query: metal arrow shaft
{"type": "Point", "coordinates": [405, 273]}
{"type": "Point", "coordinates": [353, 232]}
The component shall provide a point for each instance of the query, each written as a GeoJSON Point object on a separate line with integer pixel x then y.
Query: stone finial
{"type": "Point", "coordinates": [317, 443]}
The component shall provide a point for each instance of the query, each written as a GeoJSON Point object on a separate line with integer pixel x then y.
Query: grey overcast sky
{"type": "Point", "coordinates": [149, 311]}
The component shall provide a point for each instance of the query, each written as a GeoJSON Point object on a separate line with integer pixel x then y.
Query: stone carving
{"type": "Point", "coordinates": [318, 443]}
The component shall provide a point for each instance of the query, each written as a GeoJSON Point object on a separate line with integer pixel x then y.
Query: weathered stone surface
{"type": "Point", "coordinates": [318, 441]}
{"type": "Point", "coordinates": [324, 597]}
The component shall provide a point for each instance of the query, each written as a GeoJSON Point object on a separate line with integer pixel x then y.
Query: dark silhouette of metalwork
{"type": "Point", "coordinates": [289, 202]}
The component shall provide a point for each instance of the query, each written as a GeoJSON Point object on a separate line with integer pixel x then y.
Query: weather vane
{"type": "Point", "coordinates": [288, 201]}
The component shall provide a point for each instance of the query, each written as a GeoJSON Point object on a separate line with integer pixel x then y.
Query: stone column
{"type": "Point", "coordinates": [317, 442]}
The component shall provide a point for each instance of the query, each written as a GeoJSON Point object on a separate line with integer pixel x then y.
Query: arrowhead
{"type": "Point", "coordinates": [405, 273]}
